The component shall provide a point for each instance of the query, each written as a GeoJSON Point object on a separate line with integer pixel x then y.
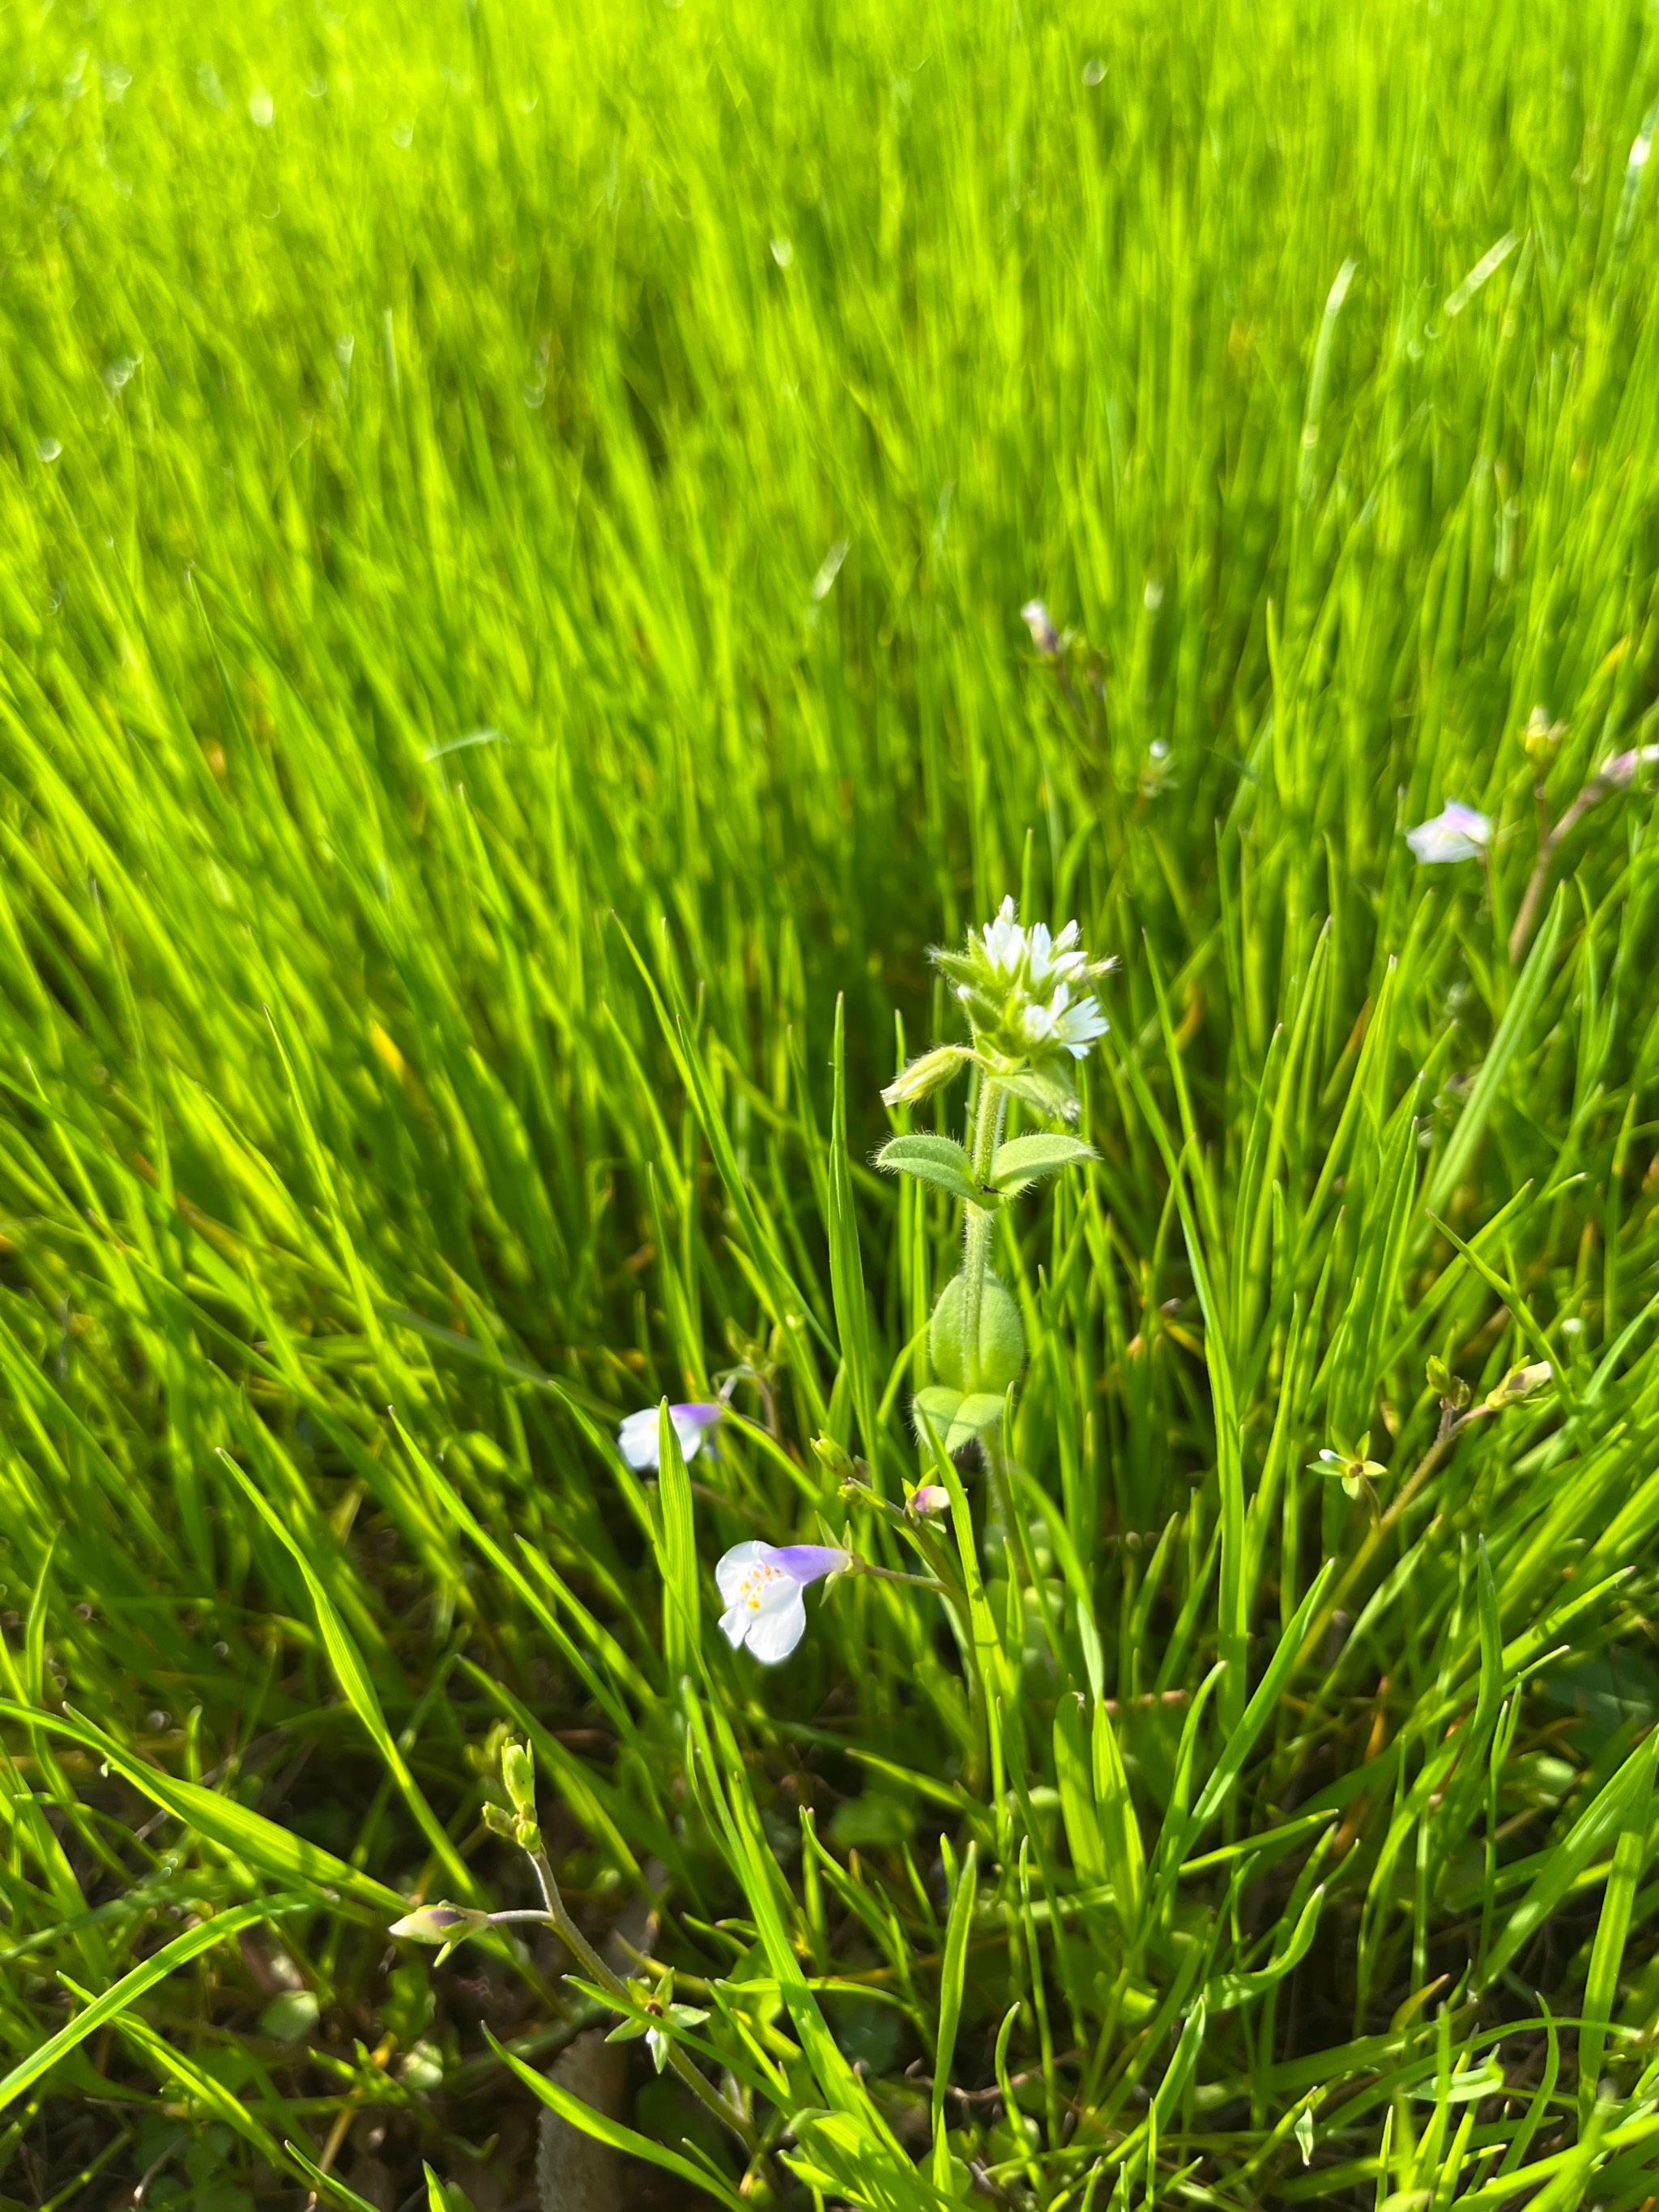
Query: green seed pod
{"type": "Point", "coordinates": [1001, 1338]}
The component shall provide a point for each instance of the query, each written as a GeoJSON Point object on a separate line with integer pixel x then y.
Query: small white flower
{"type": "Point", "coordinates": [1061, 956]}
{"type": "Point", "coordinates": [1077, 1027]}
{"type": "Point", "coordinates": [1059, 1023]}
{"type": "Point", "coordinates": [761, 1586]}
{"type": "Point", "coordinates": [1004, 941]}
{"type": "Point", "coordinates": [636, 1439]}
{"type": "Point", "coordinates": [1456, 833]}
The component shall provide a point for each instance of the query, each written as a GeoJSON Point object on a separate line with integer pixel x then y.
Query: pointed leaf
{"type": "Point", "coordinates": [1021, 1160]}
{"type": "Point", "coordinates": [938, 1160]}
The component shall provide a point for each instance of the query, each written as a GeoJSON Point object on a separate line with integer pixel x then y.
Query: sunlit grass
{"type": "Point", "coordinates": [514, 525]}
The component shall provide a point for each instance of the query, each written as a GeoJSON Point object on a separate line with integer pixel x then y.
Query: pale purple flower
{"type": "Point", "coordinates": [1620, 771]}
{"type": "Point", "coordinates": [761, 1586]}
{"type": "Point", "coordinates": [929, 1497]}
{"type": "Point", "coordinates": [636, 1439]}
{"type": "Point", "coordinates": [1456, 833]}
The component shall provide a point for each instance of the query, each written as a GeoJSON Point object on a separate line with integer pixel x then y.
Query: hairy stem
{"type": "Point", "coordinates": [976, 1234]}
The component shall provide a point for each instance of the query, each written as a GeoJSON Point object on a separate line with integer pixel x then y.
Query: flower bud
{"type": "Point", "coordinates": [500, 1821]}
{"type": "Point", "coordinates": [835, 1461]}
{"type": "Point", "coordinates": [930, 1498]}
{"type": "Point", "coordinates": [996, 1360]}
{"type": "Point", "coordinates": [518, 1776]}
{"type": "Point", "coordinates": [924, 1075]}
{"type": "Point", "coordinates": [440, 1923]}
{"type": "Point", "coordinates": [1451, 1389]}
{"type": "Point", "coordinates": [1520, 1382]}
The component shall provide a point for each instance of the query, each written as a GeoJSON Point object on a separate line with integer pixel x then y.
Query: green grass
{"type": "Point", "coordinates": [513, 524]}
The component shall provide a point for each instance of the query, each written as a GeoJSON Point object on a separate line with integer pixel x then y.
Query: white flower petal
{"type": "Point", "coordinates": [736, 1566]}
{"type": "Point", "coordinates": [636, 1439]}
{"type": "Point", "coordinates": [690, 1434]}
{"type": "Point", "coordinates": [1456, 833]}
{"type": "Point", "coordinates": [779, 1625]}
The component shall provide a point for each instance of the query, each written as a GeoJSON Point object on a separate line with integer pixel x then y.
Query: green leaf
{"type": "Point", "coordinates": [938, 1160]}
{"type": "Point", "coordinates": [604, 2130]}
{"type": "Point", "coordinates": [1613, 1929]}
{"type": "Point", "coordinates": [1228, 1989]}
{"type": "Point", "coordinates": [1625, 1798]}
{"type": "Point", "coordinates": [132, 1986]}
{"type": "Point", "coordinates": [1513, 1032]}
{"type": "Point", "coordinates": [1021, 1160]}
{"type": "Point", "coordinates": [952, 1975]}
{"type": "Point", "coordinates": [1050, 1088]}
{"type": "Point", "coordinates": [677, 1553]}
{"type": "Point", "coordinates": [247, 1835]}
{"type": "Point", "coordinates": [352, 1676]}
{"type": "Point", "coordinates": [955, 1419]}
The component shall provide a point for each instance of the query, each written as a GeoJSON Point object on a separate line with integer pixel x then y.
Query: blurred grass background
{"type": "Point", "coordinates": [479, 487]}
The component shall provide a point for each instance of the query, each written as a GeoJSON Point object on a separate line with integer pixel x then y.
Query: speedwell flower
{"type": "Point", "coordinates": [761, 1586]}
{"type": "Point", "coordinates": [636, 1439]}
{"type": "Point", "coordinates": [1456, 833]}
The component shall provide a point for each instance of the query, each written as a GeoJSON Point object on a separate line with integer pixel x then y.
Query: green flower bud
{"type": "Point", "coordinates": [1520, 1382]}
{"type": "Point", "coordinates": [836, 1463]}
{"type": "Point", "coordinates": [440, 1923]}
{"type": "Point", "coordinates": [518, 1776]}
{"type": "Point", "coordinates": [1001, 1338]}
{"type": "Point", "coordinates": [925, 1074]}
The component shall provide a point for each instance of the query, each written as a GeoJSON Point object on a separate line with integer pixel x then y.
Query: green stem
{"type": "Point", "coordinates": [588, 1958]}
{"type": "Point", "coordinates": [976, 1235]}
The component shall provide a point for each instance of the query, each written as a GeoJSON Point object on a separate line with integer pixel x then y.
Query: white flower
{"type": "Point", "coordinates": [1004, 941]}
{"type": "Point", "coordinates": [636, 1439]}
{"type": "Point", "coordinates": [1061, 956]}
{"type": "Point", "coordinates": [1059, 1023]}
{"type": "Point", "coordinates": [761, 1586]}
{"type": "Point", "coordinates": [1456, 833]}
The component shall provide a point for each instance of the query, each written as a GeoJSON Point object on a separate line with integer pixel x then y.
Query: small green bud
{"type": "Point", "coordinates": [835, 1461]}
{"type": "Point", "coordinates": [500, 1821]}
{"type": "Point", "coordinates": [440, 1923]}
{"type": "Point", "coordinates": [1451, 1389]}
{"type": "Point", "coordinates": [1001, 1350]}
{"type": "Point", "coordinates": [1520, 1382]}
{"type": "Point", "coordinates": [518, 1776]}
{"type": "Point", "coordinates": [924, 1075]}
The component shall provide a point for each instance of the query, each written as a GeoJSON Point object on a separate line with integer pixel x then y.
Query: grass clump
{"type": "Point", "coordinates": [515, 529]}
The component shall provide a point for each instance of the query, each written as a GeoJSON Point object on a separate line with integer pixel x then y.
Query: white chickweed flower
{"type": "Point", "coordinates": [1005, 942]}
{"type": "Point", "coordinates": [1073, 1027]}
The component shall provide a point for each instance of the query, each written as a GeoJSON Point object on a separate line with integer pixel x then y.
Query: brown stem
{"type": "Point", "coordinates": [1598, 788]}
{"type": "Point", "coordinates": [558, 1917]}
